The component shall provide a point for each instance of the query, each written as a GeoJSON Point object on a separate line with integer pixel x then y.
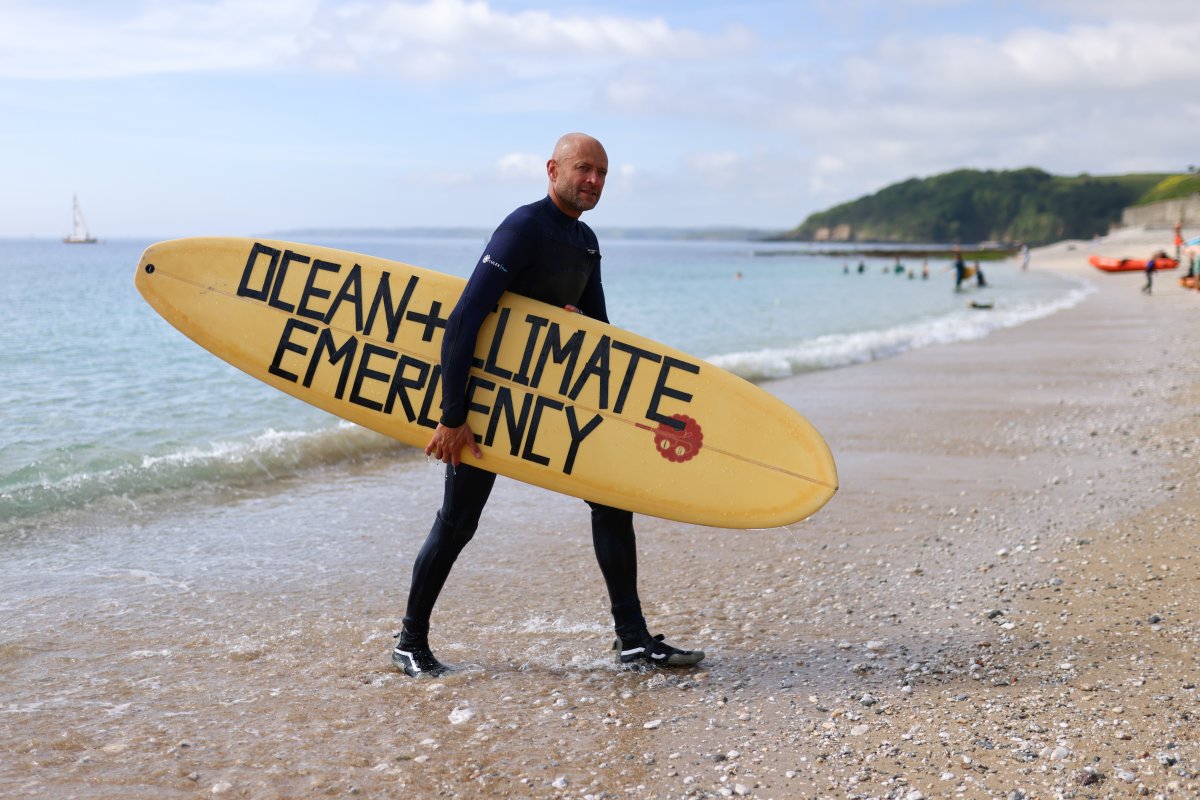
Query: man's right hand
{"type": "Point", "coordinates": [447, 444]}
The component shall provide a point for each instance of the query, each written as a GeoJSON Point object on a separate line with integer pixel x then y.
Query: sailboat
{"type": "Point", "coordinates": [79, 234]}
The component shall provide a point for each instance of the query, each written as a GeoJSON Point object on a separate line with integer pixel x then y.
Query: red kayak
{"type": "Point", "coordinates": [1130, 264]}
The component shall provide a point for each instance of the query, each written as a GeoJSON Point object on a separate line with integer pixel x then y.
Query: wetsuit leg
{"type": "Point", "coordinates": [466, 493]}
{"type": "Point", "coordinates": [616, 552]}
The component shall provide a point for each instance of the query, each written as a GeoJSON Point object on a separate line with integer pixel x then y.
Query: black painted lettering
{"type": "Point", "coordinates": [345, 354]}
{"type": "Point", "coordinates": [366, 373]}
{"type": "Point", "coordinates": [578, 434]}
{"type": "Point", "coordinates": [636, 354]}
{"type": "Point", "coordinates": [431, 391]}
{"type": "Point", "coordinates": [535, 326]}
{"type": "Point", "coordinates": [281, 277]}
{"type": "Point", "coordinates": [383, 300]}
{"type": "Point", "coordinates": [261, 293]}
{"type": "Point", "coordinates": [351, 292]}
{"type": "Point", "coordinates": [490, 366]}
{"type": "Point", "coordinates": [286, 345]}
{"type": "Point", "coordinates": [597, 365]}
{"type": "Point", "coordinates": [661, 390]}
{"type": "Point", "coordinates": [475, 383]}
{"type": "Point", "coordinates": [401, 385]}
{"type": "Point", "coordinates": [311, 290]}
{"type": "Point", "coordinates": [554, 348]}
{"type": "Point", "coordinates": [432, 321]}
{"type": "Point", "coordinates": [539, 405]}
{"type": "Point", "coordinates": [515, 421]}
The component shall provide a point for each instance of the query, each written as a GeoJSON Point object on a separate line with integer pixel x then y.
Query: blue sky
{"type": "Point", "coordinates": [235, 117]}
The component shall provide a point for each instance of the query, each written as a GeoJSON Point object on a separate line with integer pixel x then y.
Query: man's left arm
{"type": "Point", "coordinates": [591, 301]}
{"type": "Point", "coordinates": [488, 282]}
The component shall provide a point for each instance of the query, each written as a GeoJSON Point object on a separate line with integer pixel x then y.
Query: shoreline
{"type": "Point", "coordinates": [998, 603]}
{"type": "Point", "coordinates": [947, 252]}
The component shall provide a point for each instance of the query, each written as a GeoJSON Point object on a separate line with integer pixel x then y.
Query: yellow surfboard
{"type": "Point", "coordinates": [556, 399]}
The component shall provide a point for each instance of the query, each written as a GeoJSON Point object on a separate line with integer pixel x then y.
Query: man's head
{"type": "Point", "coordinates": [577, 171]}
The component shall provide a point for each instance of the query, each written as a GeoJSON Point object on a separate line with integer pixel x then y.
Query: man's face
{"type": "Point", "coordinates": [577, 178]}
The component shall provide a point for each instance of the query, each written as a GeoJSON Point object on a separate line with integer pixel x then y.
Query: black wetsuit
{"type": "Point", "coordinates": [540, 252]}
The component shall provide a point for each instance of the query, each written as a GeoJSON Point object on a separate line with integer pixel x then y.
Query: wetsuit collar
{"type": "Point", "coordinates": [560, 217]}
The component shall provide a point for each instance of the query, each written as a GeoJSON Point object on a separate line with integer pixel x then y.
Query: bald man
{"type": "Point", "coordinates": [542, 251]}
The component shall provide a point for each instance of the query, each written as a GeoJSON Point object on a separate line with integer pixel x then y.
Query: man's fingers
{"type": "Point", "coordinates": [447, 444]}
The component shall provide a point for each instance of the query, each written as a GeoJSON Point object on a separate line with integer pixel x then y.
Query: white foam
{"type": "Point", "coordinates": [841, 350]}
{"type": "Point", "coordinates": [269, 454]}
{"type": "Point", "coordinates": [541, 624]}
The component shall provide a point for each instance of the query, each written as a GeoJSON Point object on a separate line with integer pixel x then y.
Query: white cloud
{"type": "Point", "coordinates": [630, 93]}
{"type": "Point", "coordinates": [521, 165]}
{"type": "Point", "coordinates": [1118, 55]}
{"type": "Point", "coordinates": [445, 39]}
{"type": "Point", "coordinates": [425, 41]}
{"type": "Point", "coordinates": [1168, 10]}
{"type": "Point", "coordinates": [45, 42]}
{"type": "Point", "coordinates": [828, 164]}
{"type": "Point", "coordinates": [712, 162]}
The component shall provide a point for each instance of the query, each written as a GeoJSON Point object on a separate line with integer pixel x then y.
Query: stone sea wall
{"type": "Point", "coordinates": [1164, 214]}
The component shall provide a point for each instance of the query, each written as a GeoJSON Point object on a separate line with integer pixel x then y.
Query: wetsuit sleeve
{"type": "Point", "coordinates": [503, 259]}
{"type": "Point", "coordinates": [591, 302]}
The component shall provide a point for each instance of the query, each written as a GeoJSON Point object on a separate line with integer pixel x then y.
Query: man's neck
{"type": "Point", "coordinates": [570, 212]}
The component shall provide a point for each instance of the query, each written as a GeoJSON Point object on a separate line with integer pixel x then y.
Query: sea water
{"type": "Point", "coordinates": [106, 405]}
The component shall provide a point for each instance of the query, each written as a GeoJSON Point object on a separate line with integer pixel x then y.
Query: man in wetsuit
{"type": "Point", "coordinates": [542, 251]}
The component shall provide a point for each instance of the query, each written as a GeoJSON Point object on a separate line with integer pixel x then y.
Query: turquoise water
{"type": "Point", "coordinates": [104, 403]}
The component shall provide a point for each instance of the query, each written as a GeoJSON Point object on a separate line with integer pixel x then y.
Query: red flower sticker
{"type": "Point", "coordinates": [679, 445]}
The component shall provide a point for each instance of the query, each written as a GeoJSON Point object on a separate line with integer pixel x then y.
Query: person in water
{"type": "Point", "coordinates": [1151, 265]}
{"type": "Point", "coordinates": [541, 250]}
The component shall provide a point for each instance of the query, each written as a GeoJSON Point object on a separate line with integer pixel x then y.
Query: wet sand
{"type": "Point", "coordinates": [1000, 602]}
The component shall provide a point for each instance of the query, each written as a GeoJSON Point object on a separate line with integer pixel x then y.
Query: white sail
{"type": "Point", "coordinates": [79, 233]}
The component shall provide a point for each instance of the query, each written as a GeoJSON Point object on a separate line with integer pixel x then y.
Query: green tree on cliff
{"type": "Point", "coordinates": [970, 205]}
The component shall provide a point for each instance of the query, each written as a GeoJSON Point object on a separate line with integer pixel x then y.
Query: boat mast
{"type": "Point", "coordinates": [79, 231]}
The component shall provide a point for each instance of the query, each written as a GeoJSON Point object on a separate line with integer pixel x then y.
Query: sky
{"type": "Point", "coordinates": [241, 117]}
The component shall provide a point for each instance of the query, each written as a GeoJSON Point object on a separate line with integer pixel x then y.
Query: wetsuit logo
{"type": "Point", "coordinates": [487, 259]}
{"type": "Point", "coordinates": [679, 445]}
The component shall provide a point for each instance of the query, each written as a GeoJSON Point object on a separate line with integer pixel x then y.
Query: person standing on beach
{"type": "Point", "coordinates": [1150, 263]}
{"type": "Point", "coordinates": [541, 250]}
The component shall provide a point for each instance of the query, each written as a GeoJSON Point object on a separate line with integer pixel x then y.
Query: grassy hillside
{"type": "Point", "coordinates": [970, 205]}
{"type": "Point", "coordinates": [1172, 187]}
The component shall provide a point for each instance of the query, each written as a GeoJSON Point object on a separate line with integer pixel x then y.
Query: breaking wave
{"type": "Point", "coordinates": [68, 481]}
{"type": "Point", "coordinates": [841, 350]}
